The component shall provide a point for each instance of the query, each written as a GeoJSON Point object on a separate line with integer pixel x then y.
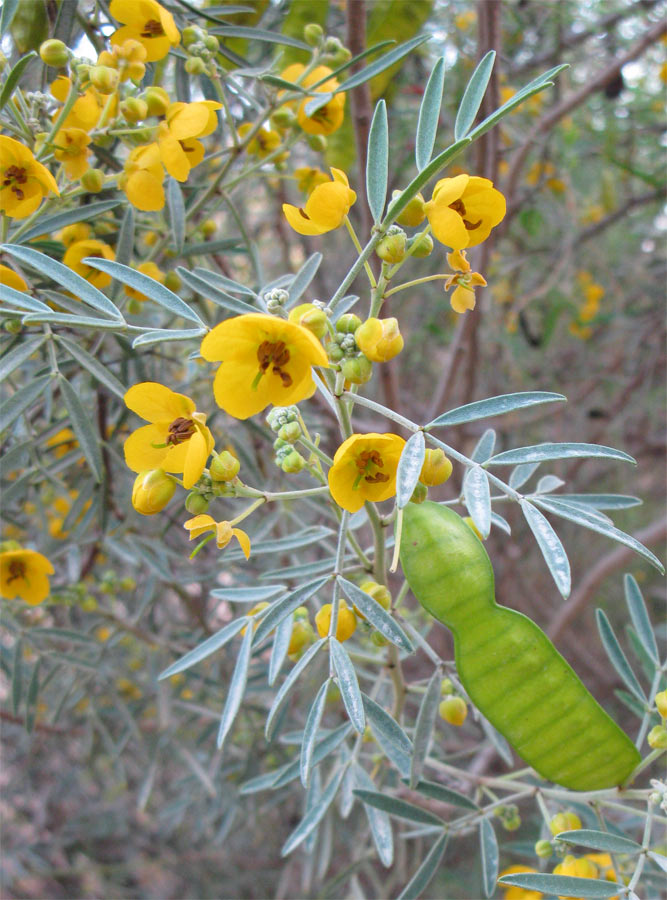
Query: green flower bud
{"type": "Point", "coordinates": [317, 142]}
{"type": "Point", "coordinates": [453, 710]}
{"type": "Point", "coordinates": [88, 603]}
{"type": "Point", "coordinates": [293, 462]}
{"type": "Point", "coordinates": [311, 317]}
{"type": "Point", "coordinates": [134, 109]}
{"type": "Point", "coordinates": [348, 323]}
{"type": "Point", "coordinates": [195, 503]}
{"type": "Point", "coordinates": [290, 432]}
{"type": "Point", "coordinates": [191, 35]}
{"type": "Point", "coordinates": [423, 244]}
{"type": "Point", "coordinates": [379, 639]}
{"type": "Point", "coordinates": [128, 583]}
{"type": "Point", "coordinates": [313, 34]}
{"type": "Point", "coordinates": [391, 248]}
{"type": "Point", "coordinates": [224, 466]}
{"type": "Point", "coordinates": [152, 490]}
{"type": "Point", "coordinates": [195, 66]}
{"type": "Point", "coordinates": [12, 326]}
{"type": "Point", "coordinates": [564, 821]}
{"type": "Point", "coordinates": [208, 228]}
{"type": "Point", "coordinates": [173, 281]}
{"type": "Point", "coordinates": [54, 53]}
{"type": "Point", "coordinates": [357, 370]}
{"type": "Point", "coordinates": [134, 306]}
{"type": "Point", "coordinates": [211, 43]}
{"type": "Point", "coordinates": [657, 738]}
{"type": "Point", "coordinates": [414, 213]}
{"type": "Point", "coordinates": [282, 118]}
{"type": "Point", "coordinates": [104, 79]}
{"type": "Point", "coordinates": [157, 100]}
{"type": "Point", "coordinates": [92, 181]}
{"type": "Point", "coordinates": [419, 494]}
{"type": "Point", "coordinates": [543, 849]}
{"type": "Point", "coordinates": [446, 686]}
{"type": "Point", "coordinates": [334, 352]}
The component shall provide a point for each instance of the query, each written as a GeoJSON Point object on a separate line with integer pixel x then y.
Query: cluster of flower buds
{"type": "Point", "coordinates": [284, 421]}
{"type": "Point", "coordinates": [509, 816]}
{"type": "Point", "coordinates": [275, 302]}
{"type": "Point", "coordinates": [201, 48]}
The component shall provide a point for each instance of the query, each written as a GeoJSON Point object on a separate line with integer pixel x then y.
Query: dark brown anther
{"type": "Point", "coordinates": [180, 430]}
{"type": "Point", "coordinates": [459, 207]}
{"type": "Point", "coordinates": [16, 570]}
{"type": "Point", "coordinates": [278, 354]}
{"type": "Point", "coordinates": [152, 29]}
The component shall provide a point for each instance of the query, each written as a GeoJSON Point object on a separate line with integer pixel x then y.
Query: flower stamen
{"type": "Point", "coordinates": [459, 207]}
{"type": "Point", "coordinates": [17, 175]}
{"type": "Point", "coordinates": [16, 570]}
{"type": "Point", "coordinates": [275, 353]}
{"type": "Point", "coordinates": [152, 29]}
{"type": "Point", "coordinates": [180, 430]}
{"type": "Point", "coordinates": [365, 462]}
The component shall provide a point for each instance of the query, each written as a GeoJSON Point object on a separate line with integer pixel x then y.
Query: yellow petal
{"type": "Point", "coordinates": [157, 403]}
{"type": "Point", "coordinates": [196, 458]}
{"type": "Point", "coordinates": [462, 299]}
{"type": "Point", "coordinates": [447, 225]}
{"type": "Point", "coordinates": [145, 191]}
{"type": "Point", "coordinates": [243, 540]}
{"type": "Point", "coordinates": [174, 158]}
{"type": "Point", "coordinates": [300, 221]}
{"type": "Point", "coordinates": [447, 190]}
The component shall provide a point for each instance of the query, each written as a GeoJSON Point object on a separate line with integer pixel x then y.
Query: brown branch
{"type": "Point", "coordinates": [609, 564]}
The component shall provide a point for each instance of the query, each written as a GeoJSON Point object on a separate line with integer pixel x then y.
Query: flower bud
{"type": "Point", "coordinates": [302, 636]}
{"type": "Point", "coordinates": [661, 703]}
{"type": "Point", "coordinates": [12, 326]}
{"type": "Point", "coordinates": [346, 625]}
{"type": "Point", "coordinates": [379, 592]}
{"type": "Point", "coordinates": [348, 323]}
{"type": "Point", "coordinates": [211, 43]}
{"type": "Point", "coordinates": [54, 53]}
{"type": "Point", "coordinates": [313, 34]}
{"type": "Point", "coordinates": [453, 710]}
{"type": "Point", "coordinates": [104, 78]}
{"type": "Point", "coordinates": [292, 463]}
{"type": "Point", "coordinates": [379, 640]}
{"type": "Point", "coordinates": [208, 228]}
{"type": "Point", "coordinates": [224, 466]}
{"type": "Point", "coordinates": [152, 490]}
{"type": "Point", "coordinates": [391, 248]}
{"type": "Point", "coordinates": [92, 181]}
{"type": "Point", "coordinates": [414, 213]}
{"type": "Point", "coordinates": [195, 66]}
{"type": "Point", "coordinates": [379, 339]}
{"type": "Point", "coordinates": [334, 352]}
{"type": "Point", "coordinates": [134, 109]}
{"type": "Point", "coordinates": [657, 738]}
{"type": "Point", "coordinates": [317, 142]}
{"type": "Point", "coordinates": [446, 686]}
{"type": "Point", "coordinates": [543, 849]}
{"type": "Point", "coordinates": [311, 317]}
{"type": "Point", "coordinates": [173, 281]}
{"type": "Point", "coordinates": [195, 503]}
{"type": "Point", "coordinates": [357, 369]}
{"type": "Point", "coordinates": [436, 468]}
{"type": "Point", "coordinates": [157, 100]}
{"type": "Point", "coordinates": [419, 494]}
{"type": "Point", "coordinates": [564, 821]}
{"type": "Point", "coordinates": [191, 35]}
{"type": "Point", "coordinates": [290, 432]}
{"type": "Point", "coordinates": [282, 118]}
{"type": "Point", "coordinates": [423, 244]}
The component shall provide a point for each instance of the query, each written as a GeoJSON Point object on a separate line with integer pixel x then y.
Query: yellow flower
{"type": "Point", "coordinates": [70, 234]}
{"type": "Point", "coordinates": [379, 339]}
{"type": "Point", "coordinates": [345, 626]}
{"type": "Point", "coordinates": [147, 22]}
{"type": "Point", "coordinates": [71, 149]}
{"type": "Point", "coordinates": [87, 108]}
{"type": "Point", "coordinates": [463, 210]}
{"type": "Point", "coordinates": [307, 179]}
{"type": "Point", "coordinates": [128, 58]}
{"type": "Point", "coordinates": [177, 439]}
{"type": "Point", "coordinates": [24, 182]}
{"type": "Point", "coordinates": [179, 151]}
{"type": "Point", "coordinates": [12, 279]}
{"type": "Point", "coordinates": [325, 208]}
{"type": "Point", "coordinates": [23, 573]}
{"type": "Point", "coordinates": [329, 117]}
{"type": "Point", "coordinates": [146, 268]}
{"type": "Point", "coordinates": [79, 251]}
{"type": "Point", "coordinates": [264, 360]}
{"type": "Point", "coordinates": [586, 867]}
{"type": "Point", "coordinates": [518, 893]}
{"type": "Point", "coordinates": [463, 297]}
{"type": "Point", "coordinates": [364, 468]}
{"type": "Point", "coordinates": [142, 179]}
{"type": "Point", "coordinates": [152, 490]}
{"type": "Point", "coordinates": [436, 468]}
{"type": "Point", "coordinates": [223, 532]}
{"type": "Point", "coordinates": [63, 442]}
{"type": "Point", "coordinates": [263, 143]}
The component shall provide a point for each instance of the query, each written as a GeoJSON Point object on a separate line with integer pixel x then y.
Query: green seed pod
{"type": "Point", "coordinates": [509, 668]}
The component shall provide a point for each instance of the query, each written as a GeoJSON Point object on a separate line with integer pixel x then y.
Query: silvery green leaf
{"type": "Point", "coordinates": [17, 676]}
{"type": "Point", "coordinates": [493, 406]}
{"type": "Point", "coordinates": [400, 808]}
{"type": "Point", "coordinates": [285, 606]}
{"type": "Point", "coordinates": [159, 335]}
{"type": "Point", "coordinates": [258, 34]}
{"type": "Point", "coordinates": [489, 852]}
{"type": "Point", "coordinates": [261, 782]}
{"type": "Point", "coordinates": [55, 318]}
{"type": "Point", "coordinates": [599, 840]}
{"type": "Point", "coordinates": [377, 163]}
{"type": "Point", "coordinates": [303, 277]}
{"type": "Point", "coordinates": [31, 698]}
{"type": "Point", "coordinates": [314, 815]}
{"type": "Point", "coordinates": [323, 748]}
{"type": "Point", "coordinates": [564, 885]}
{"type": "Point", "coordinates": [21, 300]}
{"type": "Point", "coordinates": [201, 285]}
{"type": "Point", "coordinates": [281, 642]}
{"type": "Point", "coordinates": [313, 534]}
{"type": "Point", "coordinates": [310, 730]}
{"type": "Point", "coordinates": [389, 735]}
{"type": "Point", "coordinates": [602, 501]}
{"type": "Point", "coordinates": [287, 685]}
{"type": "Point", "coordinates": [428, 710]}
{"type": "Point", "coordinates": [176, 208]}
{"type": "Point", "coordinates": [100, 372]}
{"type": "Point", "coordinates": [429, 115]}
{"type": "Point", "coordinates": [379, 65]}
{"type": "Point", "coordinates": [473, 96]}
{"type": "Point", "coordinates": [83, 429]}
{"type": "Point", "coordinates": [582, 517]}
{"type": "Point", "coordinates": [320, 99]}
{"type": "Point", "coordinates": [236, 687]}
{"type": "Point", "coordinates": [17, 70]}
{"type": "Point", "coordinates": [249, 594]}
{"type": "Point", "coordinates": [617, 657]}
{"type": "Point", "coordinates": [125, 242]}
{"type": "Point", "coordinates": [477, 496]}
{"type": "Point", "coordinates": [520, 475]}
{"type": "Point", "coordinates": [501, 523]}
{"type": "Point", "coordinates": [7, 13]}
{"type": "Point", "coordinates": [640, 617]}
{"type": "Point", "coordinates": [378, 617]}
{"type": "Point", "coordinates": [379, 821]}
{"type": "Point", "coordinates": [409, 468]}
{"type": "Point", "coordinates": [348, 684]}
{"type": "Point", "coordinates": [593, 514]}
{"type": "Point", "coordinates": [544, 452]}
{"type": "Point", "coordinates": [444, 794]}
{"type": "Point", "coordinates": [66, 277]}
{"type": "Point", "coordinates": [429, 866]}
{"type": "Point", "coordinates": [18, 355]}
{"type": "Point", "coordinates": [549, 543]}
{"type": "Point", "coordinates": [484, 447]}
{"type": "Point", "coordinates": [548, 483]}
{"type": "Point", "coordinates": [151, 288]}
{"type": "Point", "coordinates": [224, 283]}
{"type": "Point", "coordinates": [658, 859]}
{"type": "Point", "coordinates": [54, 223]}
{"type": "Point", "coordinates": [210, 645]}
{"type": "Point", "coordinates": [344, 305]}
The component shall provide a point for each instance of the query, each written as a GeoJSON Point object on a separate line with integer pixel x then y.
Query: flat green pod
{"type": "Point", "coordinates": [510, 669]}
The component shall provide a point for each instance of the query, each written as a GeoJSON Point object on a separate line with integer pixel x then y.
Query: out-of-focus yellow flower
{"type": "Point", "coordinates": [24, 182]}
{"type": "Point", "coordinates": [263, 143]}
{"type": "Point", "coordinates": [128, 58]}
{"type": "Point", "coordinates": [463, 297]}
{"type": "Point", "coordinates": [379, 339]}
{"type": "Point", "coordinates": [224, 532]}
{"type": "Point", "coordinates": [586, 867]}
{"type": "Point", "coordinates": [463, 210]}
{"type": "Point", "coordinates": [464, 21]}
{"type": "Point", "coordinates": [176, 440]}
{"type": "Point", "coordinates": [364, 468]}
{"type": "Point", "coordinates": [307, 179]}
{"type": "Point", "coordinates": [142, 179]}
{"type": "Point", "coordinates": [184, 122]}
{"type": "Point", "coordinates": [78, 251]}
{"type": "Point", "coordinates": [63, 442]}
{"type": "Point", "coordinates": [24, 574]}
{"type": "Point", "coordinates": [345, 626]}
{"type": "Point", "coordinates": [329, 117]}
{"type": "Point", "coordinates": [70, 234]}
{"type": "Point", "coordinates": [57, 513]}
{"type": "Point", "coordinates": [87, 108]}
{"type": "Point", "coordinates": [326, 207]}
{"type": "Point", "coordinates": [147, 22]}
{"type": "Point", "coordinates": [146, 268]}
{"type": "Point", "coordinates": [12, 279]}
{"type": "Point", "coordinates": [264, 360]}
{"type": "Point", "coordinates": [71, 149]}
{"type": "Point", "coordinates": [519, 893]}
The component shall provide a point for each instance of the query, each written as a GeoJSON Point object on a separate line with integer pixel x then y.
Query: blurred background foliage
{"type": "Point", "coordinates": [110, 784]}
